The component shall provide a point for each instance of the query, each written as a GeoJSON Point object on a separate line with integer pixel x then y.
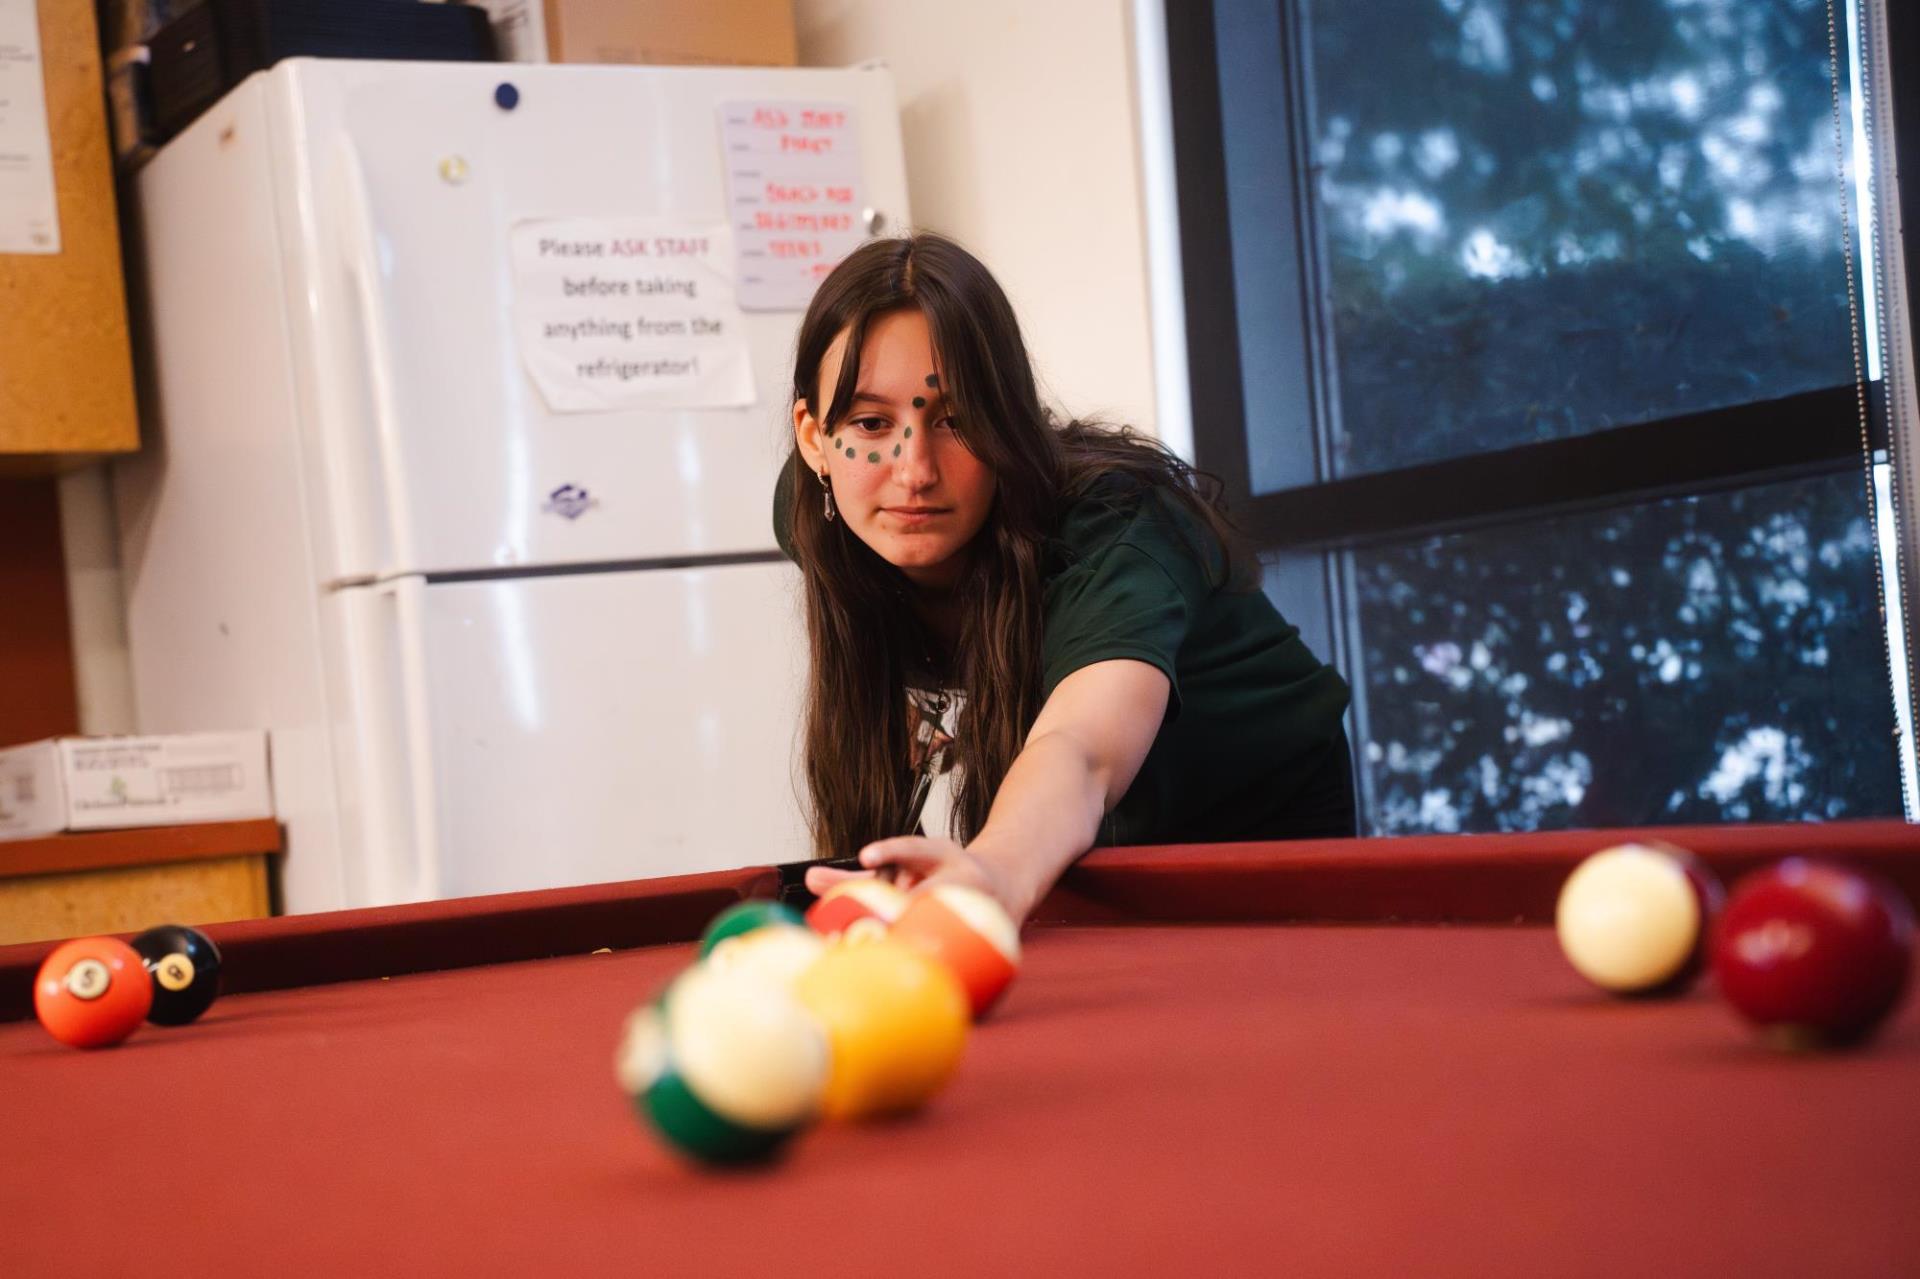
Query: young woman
{"type": "Point", "coordinates": [1107, 666]}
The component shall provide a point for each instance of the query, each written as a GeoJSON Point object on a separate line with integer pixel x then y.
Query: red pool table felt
{"type": "Point", "coordinates": [1217, 1060]}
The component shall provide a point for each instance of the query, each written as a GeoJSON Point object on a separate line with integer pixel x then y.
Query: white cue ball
{"type": "Point", "coordinates": [1628, 918]}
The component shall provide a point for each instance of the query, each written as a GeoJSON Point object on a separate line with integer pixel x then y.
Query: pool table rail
{"type": "Point", "coordinates": [1466, 879]}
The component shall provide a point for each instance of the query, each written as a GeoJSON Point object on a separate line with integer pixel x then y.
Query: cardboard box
{"type": "Point", "coordinates": [751, 33]}
{"type": "Point", "coordinates": [105, 783]}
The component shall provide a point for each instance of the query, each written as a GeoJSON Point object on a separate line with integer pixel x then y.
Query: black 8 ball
{"type": "Point", "coordinates": [185, 968]}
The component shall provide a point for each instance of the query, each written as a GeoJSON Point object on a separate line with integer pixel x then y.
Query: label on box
{"type": "Point", "coordinates": [29, 213]}
{"type": "Point", "coordinates": [616, 313]}
{"type": "Point", "coordinates": [794, 190]}
{"type": "Point", "coordinates": [101, 783]}
{"type": "Point", "coordinates": [146, 781]}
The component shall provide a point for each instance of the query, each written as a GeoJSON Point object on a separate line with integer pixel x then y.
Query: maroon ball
{"type": "Point", "coordinates": [1813, 953]}
{"type": "Point", "coordinates": [1713, 900]}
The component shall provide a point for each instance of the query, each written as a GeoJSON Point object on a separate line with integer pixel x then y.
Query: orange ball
{"type": "Point", "coordinates": [848, 903]}
{"type": "Point", "coordinates": [970, 934]}
{"type": "Point", "coordinates": [92, 992]}
{"type": "Point", "coordinates": [896, 1026]}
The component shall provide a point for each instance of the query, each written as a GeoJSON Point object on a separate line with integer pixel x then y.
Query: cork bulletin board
{"type": "Point", "coordinates": [66, 376]}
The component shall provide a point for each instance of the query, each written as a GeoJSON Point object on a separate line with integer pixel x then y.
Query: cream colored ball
{"type": "Point", "coordinates": [779, 953]}
{"type": "Point", "coordinates": [1628, 918]}
{"type": "Point", "coordinates": [745, 1046]}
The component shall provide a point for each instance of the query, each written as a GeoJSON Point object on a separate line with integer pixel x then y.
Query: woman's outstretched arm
{"type": "Point", "coordinates": [1082, 754]}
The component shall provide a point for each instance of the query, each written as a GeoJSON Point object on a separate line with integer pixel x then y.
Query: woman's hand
{"type": "Point", "coordinates": [916, 860]}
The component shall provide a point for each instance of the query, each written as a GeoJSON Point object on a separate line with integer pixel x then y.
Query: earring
{"type": "Point", "coordinates": [826, 491]}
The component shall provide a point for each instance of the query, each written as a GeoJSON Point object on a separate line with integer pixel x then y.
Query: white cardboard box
{"type": "Point", "coordinates": [104, 783]}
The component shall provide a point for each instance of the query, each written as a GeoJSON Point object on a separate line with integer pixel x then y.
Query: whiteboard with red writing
{"type": "Point", "coordinates": [794, 194]}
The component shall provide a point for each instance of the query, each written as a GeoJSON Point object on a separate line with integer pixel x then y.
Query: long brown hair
{"type": "Point", "coordinates": [867, 645]}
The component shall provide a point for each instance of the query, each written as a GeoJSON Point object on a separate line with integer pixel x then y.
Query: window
{"type": "Point", "coordinates": [1694, 659]}
{"type": "Point", "coordinates": [1519, 332]}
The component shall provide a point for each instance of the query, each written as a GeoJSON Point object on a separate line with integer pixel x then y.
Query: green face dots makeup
{"type": "Point", "coordinates": [840, 445]}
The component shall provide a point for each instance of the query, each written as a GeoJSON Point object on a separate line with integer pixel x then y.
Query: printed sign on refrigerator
{"type": "Point", "coordinates": [617, 313]}
{"type": "Point", "coordinates": [794, 190]}
{"type": "Point", "coordinates": [29, 216]}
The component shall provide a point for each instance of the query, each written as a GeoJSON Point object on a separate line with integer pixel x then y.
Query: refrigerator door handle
{"type": "Point", "coordinates": [407, 594]}
{"type": "Point", "coordinates": [360, 252]}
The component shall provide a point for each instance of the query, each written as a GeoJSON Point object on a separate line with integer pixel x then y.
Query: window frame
{"type": "Point", "coordinates": [1742, 445]}
{"type": "Point", "coordinates": [1746, 445]}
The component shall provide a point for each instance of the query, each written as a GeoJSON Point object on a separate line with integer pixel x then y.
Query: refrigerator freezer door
{"type": "Point", "coordinates": [403, 186]}
{"type": "Point", "coordinates": [578, 728]}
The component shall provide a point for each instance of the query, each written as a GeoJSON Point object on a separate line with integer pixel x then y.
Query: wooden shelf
{"type": "Point", "coordinates": [140, 846]}
{"type": "Point", "coordinates": [121, 881]}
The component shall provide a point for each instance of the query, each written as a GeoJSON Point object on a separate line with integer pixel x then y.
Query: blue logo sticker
{"type": "Point", "coordinates": [571, 501]}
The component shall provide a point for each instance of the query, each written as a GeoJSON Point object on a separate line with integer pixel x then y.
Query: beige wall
{"type": "Point", "coordinates": [102, 667]}
{"type": "Point", "coordinates": [1020, 134]}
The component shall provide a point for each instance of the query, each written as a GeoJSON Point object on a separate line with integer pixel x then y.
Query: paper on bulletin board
{"type": "Point", "coordinates": [618, 313]}
{"type": "Point", "coordinates": [794, 189]}
{"type": "Point", "coordinates": [29, 213]}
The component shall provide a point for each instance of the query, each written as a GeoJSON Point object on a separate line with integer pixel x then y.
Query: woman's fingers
{"type": "Point", "coordinates": [903, 874]}
{"type": "Point", "coordinates": [822, 878]}
{"type": "Point", "coordinates": [910, 862]}
{"type": "Point", "coordinates": [911, 856]}
{"type": "Point", "coordinates": [907, 860]}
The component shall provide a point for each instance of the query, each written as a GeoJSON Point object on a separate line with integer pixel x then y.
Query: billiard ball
{"type": "Point", "coordinates": [1635, 919]}
{"type": "Point", "coordinates": [896, 1024]}
{"type": "Point", "coordinates": [847, 904]}
{"type": "Point", "coordinates": [1813, 954]}
{"type": "Point", "coordinates": [779, 953]}
{"type": "Point", "coordinates": [746, 917]}
{"type": "Point", "coordinates": [970, 933]}
{"type": "Point", "coordinates": [185, 967]}
{"type": "Point", "coordinates": [92, 992]}
{"type": "Point", "coordinates": [726, 1067]}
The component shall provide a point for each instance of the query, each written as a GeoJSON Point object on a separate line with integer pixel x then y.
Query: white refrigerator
{"type": "Point", "coordinates": [506, 599]}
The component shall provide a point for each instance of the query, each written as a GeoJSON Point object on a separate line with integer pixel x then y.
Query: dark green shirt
{"type": "Point", "coordinates": [1251, 713]}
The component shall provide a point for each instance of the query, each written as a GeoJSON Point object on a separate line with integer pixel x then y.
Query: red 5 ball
{"type": "Point", "coordinates": [185, 967]}
{"type": "Point", "coordinates": [92, 992]}
{"type": "Point", "coordinates": [1813, 954]}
